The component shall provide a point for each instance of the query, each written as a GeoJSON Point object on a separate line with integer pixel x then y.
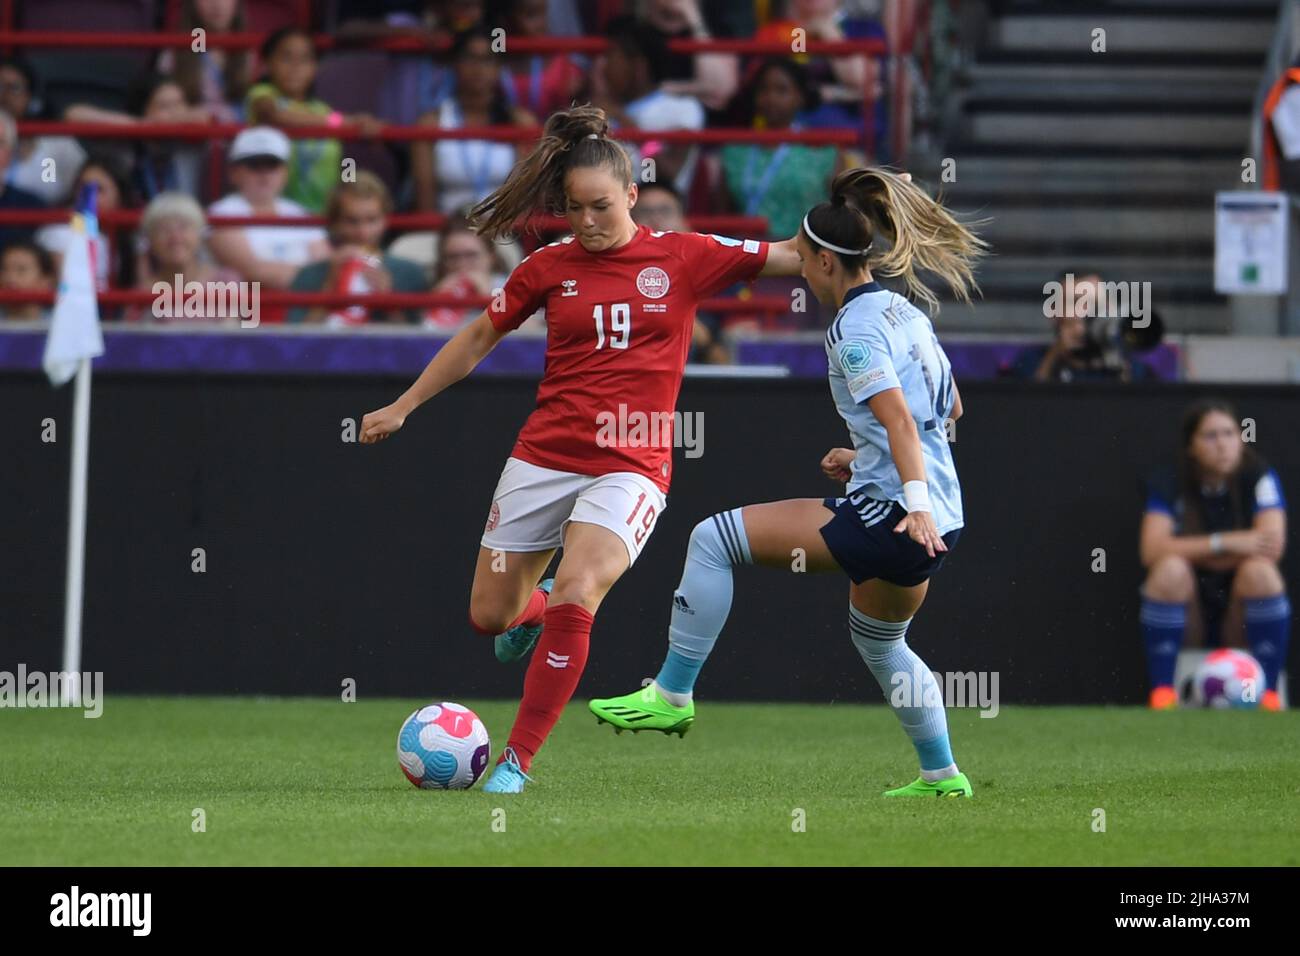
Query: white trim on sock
{"type": "Point", "coordinates": [673, 697]}
{"type": "Point", "coordinates": [943, 773]}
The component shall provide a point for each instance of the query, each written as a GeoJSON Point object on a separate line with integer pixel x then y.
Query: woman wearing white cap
{"type": "Point", "coordinates": [267, 254]}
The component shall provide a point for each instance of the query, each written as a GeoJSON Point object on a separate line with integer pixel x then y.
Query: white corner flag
{"type": "Point", "coordinates": [73, 341]}
{"type": "Point", "coordinates": [74, 326]}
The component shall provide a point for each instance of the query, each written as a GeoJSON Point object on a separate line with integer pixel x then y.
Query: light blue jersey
{"type": "Point", "coordinates": [879, 340]}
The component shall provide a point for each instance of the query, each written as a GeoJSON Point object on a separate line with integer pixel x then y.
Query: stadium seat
{"type": "Point", "coordinates": [95, 76]}
{"type": "Point", "coordinates": [266, 16]}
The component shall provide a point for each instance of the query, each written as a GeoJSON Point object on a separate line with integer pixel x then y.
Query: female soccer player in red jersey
{"type": "Point", "coordinates": [620, 305]}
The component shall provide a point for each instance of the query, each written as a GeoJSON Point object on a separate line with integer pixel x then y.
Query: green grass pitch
{"type": "Point", "coordinates": [312, 781]}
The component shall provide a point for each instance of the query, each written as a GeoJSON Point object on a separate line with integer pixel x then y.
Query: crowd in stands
{"type": "Point", "coordinates": [465, 80]}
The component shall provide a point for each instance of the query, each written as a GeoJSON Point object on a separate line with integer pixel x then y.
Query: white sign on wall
{"type": "Point", "coordinates": [1250, 236]}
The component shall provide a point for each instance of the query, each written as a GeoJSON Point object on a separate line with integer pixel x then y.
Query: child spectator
{"type": "Point", "coordinates": [284, 98]}
{"type": "Point", "coordinates": [26, 267]}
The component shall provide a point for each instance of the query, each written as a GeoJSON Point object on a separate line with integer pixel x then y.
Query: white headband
{"type": "Point", "coordinates": [834, 248]}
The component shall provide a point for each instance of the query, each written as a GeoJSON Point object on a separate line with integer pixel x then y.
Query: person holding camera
{"type": "Point", "coordinates": [1091, 344]}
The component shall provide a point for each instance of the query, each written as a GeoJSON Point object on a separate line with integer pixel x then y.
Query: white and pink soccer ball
{"type": "Point", "coordinates": [443, 747]}
{"type": "Point", "coordinates": [1228, 678]}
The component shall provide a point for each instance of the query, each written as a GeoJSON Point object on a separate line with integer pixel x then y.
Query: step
{"type": "Point", "coordinates": [1153, 224]}
{"type": "Point", "coordinates": [1048, 174]}
{"type": "Point", "coordinates": [1131, 33]}
{"type": "Point", "coordinates": [999, 315]}
{"type": "Point", "coordinates": [1129, 130]}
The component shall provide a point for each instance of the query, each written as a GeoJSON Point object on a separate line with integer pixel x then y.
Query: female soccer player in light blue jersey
{"type": "Point", "coordinates": [893, 386]}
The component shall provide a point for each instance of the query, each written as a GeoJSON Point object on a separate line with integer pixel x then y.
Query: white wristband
{"type": "Point", "coordinates": [1216, 543]}
{"type": "Point", "coordinates": [916, 496]}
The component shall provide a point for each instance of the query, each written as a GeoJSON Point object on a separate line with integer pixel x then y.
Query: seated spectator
{"type": "Point", "coordinates": [159, 165]}
{"type": "Point", "coordinates": [1213, 532]}
{"type": "Point", "coordinates": [271, 255]}
{"type": "Point", "coordinates": [358, 218]}
{"type": "Point", "coordinates": [284, 98]}
{"type": "Point", "coordinates": [710, 78]}
{"type": "Point", "coordinates": [627, 86]}
{"type": "Point", "coordinates": [451, 174]}
{"type": "Point", "coordinates": [106, 173]}
{"type": "Point", "coordinates": [468, 268]}
{"type": "Point", "coordinates": [537, 82]}
{"type": "Point", "coordinates": [840, 80]}
{"type": "Point", "coordinates": [26, 267]}
{"type": "Point", "coordinates": [783, 182]}
{"type": "Point", "coordinates": [41, 165]}
{"type": "Point", "coordinates": [215, 79]}
{"type": "Point", "coordinates": [12, 197]}
{"type": "Point", "coordinates": [659, 207]}
{"type": "Point", "coordinates": [172, 253]}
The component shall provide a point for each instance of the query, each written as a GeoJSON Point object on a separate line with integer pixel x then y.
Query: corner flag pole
{"type": "Point", "coordinates": [71, 688]}
{"type": "Point", "coordinates": [74, 339]}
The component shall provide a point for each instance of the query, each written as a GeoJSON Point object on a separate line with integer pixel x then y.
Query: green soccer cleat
{"type": "Point", "coordinates": [957, 786]}
{"type": "Point", "coordinates": [643, 709]}
{"type": "Point", "coordinates": [520, 639]}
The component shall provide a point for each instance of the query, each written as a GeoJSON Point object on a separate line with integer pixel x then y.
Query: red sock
{"type": "Point", "coordinates": [553, 674]}
{"type": "Point", "coordinates": [532, 613]}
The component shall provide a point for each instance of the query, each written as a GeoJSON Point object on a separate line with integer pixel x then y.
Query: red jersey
{"type": "Point", "coordinates": [618, 332]}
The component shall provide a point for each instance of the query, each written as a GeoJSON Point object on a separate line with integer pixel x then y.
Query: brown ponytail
{"type": "Point", "coordinates": [922, 234]}
{"type": "Point", "coordinates": [571, 139]}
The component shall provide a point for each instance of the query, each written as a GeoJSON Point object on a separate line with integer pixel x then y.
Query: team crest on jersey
{"type": "Point", "coordinates": [494, 517]}
{"type": "Point", "coordinates": [652, 282]}
{"type": "Point", "coordinates": [570, 287]}
{"type": "Point", "coordinates": [855, 356]}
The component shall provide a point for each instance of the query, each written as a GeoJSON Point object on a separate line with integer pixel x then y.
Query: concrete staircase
{"type": "Point", "coordinates": [1102, 162]}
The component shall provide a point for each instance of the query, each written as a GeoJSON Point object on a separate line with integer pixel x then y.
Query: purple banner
{"type": "Point", "coordinates": [255, 351]}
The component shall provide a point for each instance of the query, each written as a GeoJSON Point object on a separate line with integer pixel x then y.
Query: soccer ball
{"type": "Point", "coordinates": [1228, 678]}
{"type": "Point", "coordinates": [443, 747]}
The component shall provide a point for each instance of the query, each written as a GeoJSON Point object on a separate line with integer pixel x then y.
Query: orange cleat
{"type": "Point", "coordinates": [1271, 701]}
{"type": "Point", "coordinates": [1164, 698]}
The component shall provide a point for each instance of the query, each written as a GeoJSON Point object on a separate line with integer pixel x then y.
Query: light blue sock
{"type": "Point", "coordinates": [702, 601]}
{"type": "Point", "coordinates": [910, 688]}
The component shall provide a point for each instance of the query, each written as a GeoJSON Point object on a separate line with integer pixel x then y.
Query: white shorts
{"type": "Point", "coordinates": [533, 505]}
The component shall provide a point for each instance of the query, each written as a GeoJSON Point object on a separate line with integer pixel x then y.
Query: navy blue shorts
{"type": "Point", "coordinates": [862, 539]}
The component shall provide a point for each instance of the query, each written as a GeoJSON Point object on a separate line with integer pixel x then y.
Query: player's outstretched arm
{"type": "Point", "coordinates": [453, 362]}
{"type": "Point", "coordinates": [782, 259]}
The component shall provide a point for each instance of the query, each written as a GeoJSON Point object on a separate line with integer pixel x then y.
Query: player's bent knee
{"type": "Point", "coordinates": [1258, 577]}
{"type": "Point", "coordinates": [715, 541]}
{"type": "Point", "coordinates": [488, 618]}
{"type": "Point", "coordinates": [1170, 579]}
